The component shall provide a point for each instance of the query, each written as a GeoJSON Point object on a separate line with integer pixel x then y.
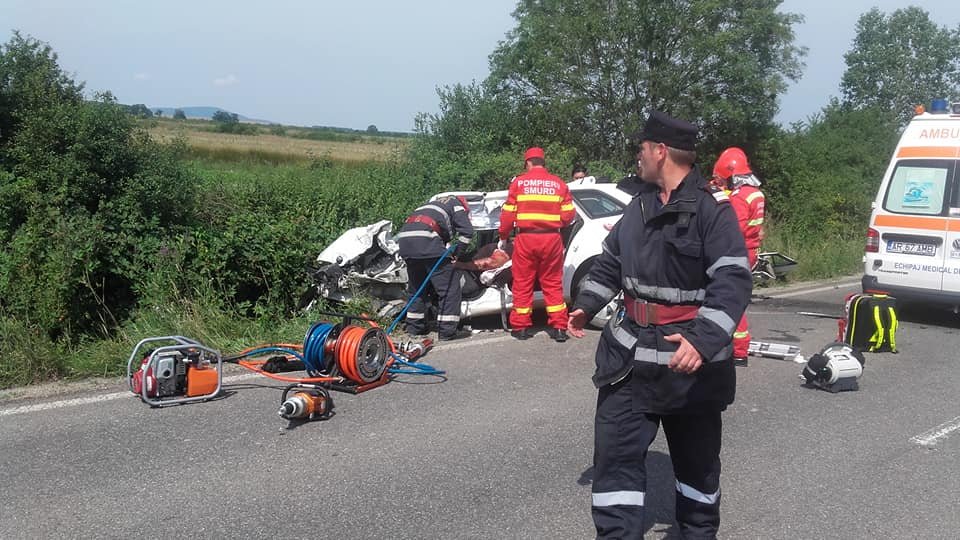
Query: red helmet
{"type": "Point", "coordinates": [731, 162]}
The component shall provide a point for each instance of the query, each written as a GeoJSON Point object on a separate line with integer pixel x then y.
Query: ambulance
{"type": "Point", "coordinates": [913, 240]}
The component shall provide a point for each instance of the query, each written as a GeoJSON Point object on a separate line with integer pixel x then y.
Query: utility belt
{"type": "Point", "coordinates": [646, 313]}
{"type": "Point", "coordinates": [428, 221]}
{"type": "Point", "coordinates": [536, 231]}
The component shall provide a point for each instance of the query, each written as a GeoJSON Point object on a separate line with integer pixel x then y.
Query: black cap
{"type": "Point", "coordinates": [670, 131]}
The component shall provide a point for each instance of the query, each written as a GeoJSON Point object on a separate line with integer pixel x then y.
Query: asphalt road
{"type": "Point", "coordinates": [500, 449]}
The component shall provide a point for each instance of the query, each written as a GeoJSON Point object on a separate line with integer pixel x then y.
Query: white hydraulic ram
{"type": "Point", "coordinates": [779, 351]}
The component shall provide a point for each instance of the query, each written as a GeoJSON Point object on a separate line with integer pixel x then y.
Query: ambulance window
{"type": "Point", "coordinates": [919, 187]}
{"type": "Point", "coordinates": [597, 204]}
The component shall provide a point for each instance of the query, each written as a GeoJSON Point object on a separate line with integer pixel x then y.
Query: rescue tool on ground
{"type": "Point", "coordinates": [181, 371]}
{"type": "Point", "coordinates": [779, 351]}
{"type": "Point", "coordinates": [836, 368]}
{"type": "Point", "coordinates": [353, 355]}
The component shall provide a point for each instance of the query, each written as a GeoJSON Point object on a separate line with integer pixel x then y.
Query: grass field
{"type": "Point", "coordinates": [275, 148]}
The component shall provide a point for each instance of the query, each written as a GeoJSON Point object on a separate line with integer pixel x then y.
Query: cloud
{"type": "Point", "coordinates": [142, 76]}
{"type": "Point", "coordinates": [229, 80]}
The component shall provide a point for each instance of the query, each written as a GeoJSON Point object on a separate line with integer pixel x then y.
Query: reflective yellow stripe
{"type": "Point", "coordinates": [755, 222]}
{"type": "Point", "coordinates": [522, 310]}
{"type": "Point", "coordinates": [755, 195]}
{"type": "Point", "coordinates": [542, 198]}
{"type": "Point", "coordinates": [509, 207]}
{"type": "Point", "coordinates": [566, 207]}
{"type": "Point", "coordinates": [538, 217]}
{"type": "Point", "coordinates": [740, 335]}
{"type": "Point", "coordinates": [556, 308]}
{"type": "Point", "coordinates": [876, 340]}
{"type": "Point", "coordinates": [893, 329]}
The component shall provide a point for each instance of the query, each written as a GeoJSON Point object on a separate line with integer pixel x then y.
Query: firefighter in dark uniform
{"type": "Point", "coordinates": [680, 260]}
{"type": "Point", "coordinates": [423, 240]}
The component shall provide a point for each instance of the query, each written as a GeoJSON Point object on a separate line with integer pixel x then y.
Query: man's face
{"type": "Point", "coordinates": [578, 175]}
{"type": "Point", "coordinates": [649, 158]}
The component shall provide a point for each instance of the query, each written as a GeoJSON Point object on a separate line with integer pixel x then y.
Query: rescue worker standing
{"type": "Point", "coordinates": [680, 260]}
{"type": "Point", "coordinates": [732, 170]}
{"type": "Point", "coordinates": [538, 205]}
{"type": "Point", "coordinates": [423, 241]}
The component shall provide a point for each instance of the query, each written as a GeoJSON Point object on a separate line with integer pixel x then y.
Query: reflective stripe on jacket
{"type": "Point", "coordinates": [748, 202]}
{"type": "Point", "coordinates": [420, 239]}
{"type": "Point", "coordinates": [536, 201]}
{"type": "Point", "coordinates": [688, 251]}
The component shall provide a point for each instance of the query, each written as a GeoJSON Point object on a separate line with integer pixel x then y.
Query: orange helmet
{"type": "Point", "coordinates": [732, 161]}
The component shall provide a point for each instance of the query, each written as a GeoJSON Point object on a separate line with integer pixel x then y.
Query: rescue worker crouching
{"type": "Point", "coordinates": [680, 260]}
{"type": "Point", "coordinates": [732, 171]}
{"type": "Point", "coordinates": [422, 242]}
{"type": "Point", "coordinates": [538, 205]}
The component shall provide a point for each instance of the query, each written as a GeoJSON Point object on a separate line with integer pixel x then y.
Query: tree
{"type": "Point", "coordinates": [30, 78]}
{"type": "Point", "coordinates": [139, 110]}
{"type": "Point", "coordinates": [158, 113]}
{"type": "Point", "coordinates": [179, 115]}
{"type": "Point", "coordinates": [372, 129]}
{"type": "Point", "coordinates": [587, 72]}
{"type": "Point", "coordinates": [86, 197]}
{"type": "Point", "coordinates": [224, 117]}
{"type": "Point", "coordinates": [899, 61]}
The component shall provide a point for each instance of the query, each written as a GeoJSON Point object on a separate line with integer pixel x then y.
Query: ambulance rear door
{"type": "Point", "coordinates": [951, 274]}
{"type": "Point", "coordinates": [913, 223]}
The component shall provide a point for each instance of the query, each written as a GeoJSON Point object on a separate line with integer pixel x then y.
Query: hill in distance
{"type": "Point", "coordinates": [206, 113]}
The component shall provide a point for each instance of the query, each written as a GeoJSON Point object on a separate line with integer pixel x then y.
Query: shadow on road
{"type": "Point", "coordinates": [660, 495]}
{"type": "Point", "coordinates": [925, 316]}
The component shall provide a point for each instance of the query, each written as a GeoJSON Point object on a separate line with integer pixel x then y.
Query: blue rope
{"type": "Point", "coordinates": [426, 280]}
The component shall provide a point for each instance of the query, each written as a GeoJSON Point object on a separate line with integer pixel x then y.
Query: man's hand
{"type": "Point", "coordinates": [575, 323]}
{"type": "Point", "coordinates": [686, 359]}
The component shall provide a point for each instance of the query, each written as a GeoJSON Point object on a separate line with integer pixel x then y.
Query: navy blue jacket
{"type": "Point", "coordinates": [688, 251]}
{"type": "Point", "coordinates": [441, 221]}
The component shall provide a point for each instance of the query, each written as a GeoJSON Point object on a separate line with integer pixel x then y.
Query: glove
{"type": "Point", "coordinates": [501, 244]}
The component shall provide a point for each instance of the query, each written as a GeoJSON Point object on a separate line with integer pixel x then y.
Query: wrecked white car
{"type": "Point", "coordinates": [364, 260]}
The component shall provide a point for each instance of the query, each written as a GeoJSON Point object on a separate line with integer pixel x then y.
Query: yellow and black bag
{"type": "Point", "coordinates": [871, 322]}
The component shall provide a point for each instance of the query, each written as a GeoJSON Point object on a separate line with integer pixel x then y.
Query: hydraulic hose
{"type": "Point", "coordinates": [423, 285]}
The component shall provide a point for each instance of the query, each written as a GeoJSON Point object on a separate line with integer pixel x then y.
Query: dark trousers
{"type": "Point", "coordinates": [621, 440]}
{"type": "Point", "coordinates": [445, 284]}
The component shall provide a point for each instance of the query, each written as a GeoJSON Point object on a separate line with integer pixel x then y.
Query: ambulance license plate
{"type": "Point", "coordinates": [911, 248]}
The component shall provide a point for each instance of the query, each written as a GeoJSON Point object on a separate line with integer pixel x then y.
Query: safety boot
{"type": "Point", "coordinates": [459, 334]}
{"type": "Point", "coordinates": [557, 334]}
{"type": "Point", "coordinates": [521, 334]}
{"type": "Point", "coordinates": [740, 362]}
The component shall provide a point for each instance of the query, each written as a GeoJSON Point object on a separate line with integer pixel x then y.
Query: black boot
{"type": "Point", "coordinates": [558, 334]}
{"type": "Point", "coordinates": [521, 334]}
{"type": "Point", "coordinates": [459, 334]}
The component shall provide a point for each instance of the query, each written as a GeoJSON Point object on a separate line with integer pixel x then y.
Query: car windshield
{"type": "Point", "coordinates": [597, 204]}
{"type": "Point", "coordinates": [920, 186]}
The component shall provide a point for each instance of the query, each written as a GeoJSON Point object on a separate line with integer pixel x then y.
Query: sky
{"type": "Point", "coordinates": [344, 63]}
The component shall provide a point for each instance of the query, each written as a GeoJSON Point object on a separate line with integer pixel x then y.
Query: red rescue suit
{"type": "Point", "coordinates": [748, 203]}
{"type": "Point", "coordinates": [538, 206]}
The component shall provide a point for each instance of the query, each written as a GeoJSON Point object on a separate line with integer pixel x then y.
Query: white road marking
{"type": "Point", "coordinates": [930, 438]}
{"type": "Point", "coordinates": [809, 291]}
{"type": "Point", "coordinates": [97, 399]}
